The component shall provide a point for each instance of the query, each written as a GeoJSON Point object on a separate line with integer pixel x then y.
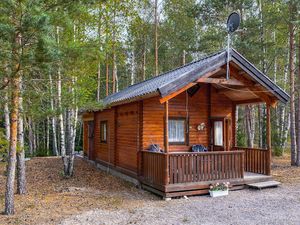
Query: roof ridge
{"type": "Point", "coordinates": [169, 71]}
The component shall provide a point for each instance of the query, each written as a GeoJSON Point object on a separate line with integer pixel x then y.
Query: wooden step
{"type": "Point", "coordinates": [266, 184]}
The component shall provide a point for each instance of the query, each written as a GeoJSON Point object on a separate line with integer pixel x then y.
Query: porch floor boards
{"type": "Point", "coordinates": [200, 188]}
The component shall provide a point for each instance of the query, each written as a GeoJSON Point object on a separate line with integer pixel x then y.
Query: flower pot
{"type": "Point", "coordinates": [218, 193]}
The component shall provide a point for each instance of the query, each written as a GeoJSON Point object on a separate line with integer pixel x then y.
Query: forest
{"type": "Point", "coordinates": [62, 57]}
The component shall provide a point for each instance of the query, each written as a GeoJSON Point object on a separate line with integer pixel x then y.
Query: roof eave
{"type": "Point", "coordinates": [261, 78]}
{"type": "Point", "coordinates": [130, 100]}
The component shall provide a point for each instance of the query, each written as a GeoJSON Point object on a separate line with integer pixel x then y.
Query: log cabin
{"type": "Point", "coordinates": [150, 130]}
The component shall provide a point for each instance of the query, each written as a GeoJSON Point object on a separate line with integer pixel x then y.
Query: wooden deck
{"type": "Point", "coordinates": [179, 174]}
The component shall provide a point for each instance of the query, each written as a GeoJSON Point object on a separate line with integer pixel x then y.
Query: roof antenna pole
{"type": "Point", "coordinates": [233, 23]}
{"type": "Point", "coordinates": [227, 67]}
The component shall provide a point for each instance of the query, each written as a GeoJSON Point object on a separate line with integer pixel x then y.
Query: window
{"type": "Point", "coordinates": [177, 131]}
{"type": "Point", "coordinates": [218, 133]}
{"type": "Point", "coordinates": [103, 131]}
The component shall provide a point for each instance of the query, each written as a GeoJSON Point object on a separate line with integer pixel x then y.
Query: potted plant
{"type": "Point", "coordinates": [219, 189]}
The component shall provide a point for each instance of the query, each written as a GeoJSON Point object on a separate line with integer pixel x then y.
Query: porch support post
{"type": "Point", "coordinates": [166, 126]}
{"type": "Point", "coordinates": [166, 139]}
{"type": "Point", "coordinates": [209, 127]}
{"type": "Point", "coordinates": [233, 116]}
{"type": "Point", "coordinates": [268, 134]}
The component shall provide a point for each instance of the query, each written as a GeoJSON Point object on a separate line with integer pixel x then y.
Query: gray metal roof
{"type": "Point", "coordinates": [175, 79]}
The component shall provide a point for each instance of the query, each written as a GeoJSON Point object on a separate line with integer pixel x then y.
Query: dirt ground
{"type": "Point", "coordinates": [51, 199]}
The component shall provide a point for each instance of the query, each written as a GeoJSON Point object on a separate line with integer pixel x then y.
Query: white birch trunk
{"type": "Point", "coordinates": [6, 113]}
{"type": "Point", "coordinates": [98, 82]}
{"type": "Point", "coordinates": [30, 137]}
{"type": "Point", "coordinates": [250, 125]}
{"type": "Point", "coordinates": [59, 102]}
{"type": "Point", "coordinates": [132, 74]}
{"type": "Point", "coordinates": [21, 170]}
{"type": "Point", "coordinates": [54, 139]}
{"type": "Point", "coordinates": [292, 87]}
{"type": "Point", "coordinates": [71, 121]}
{"type": "Point", "coordinates": [48, 134]}
{"type": "Point", "coordinates": [144, 62]}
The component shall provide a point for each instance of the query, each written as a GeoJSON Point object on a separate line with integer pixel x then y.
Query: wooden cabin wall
{"type": "Point", "coordinates": [123, 125]}
{"type": "Point", "coordinates": [121, 148]}
{"type": "Point", "coordinates": [153, 119]}
{"type": "Point", "coordinates": [198, 112]}
{"type": "Point", "coordinates": [127, 136]}
{"type": "Point", "coordinates": [221, 106]}
{"type": "Point", "coordinates": [85, 138]}
{"type": "Point", "coordinates": [86, 117]}
{"type": "Point", "coordinates": [105, 151]}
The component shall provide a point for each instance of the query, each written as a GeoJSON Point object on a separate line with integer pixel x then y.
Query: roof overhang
{"type": "Point", "coordinates": [203, 75]}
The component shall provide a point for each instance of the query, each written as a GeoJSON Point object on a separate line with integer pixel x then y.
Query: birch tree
{"type": "Point", "coordinates": [21, 173]}
{"type": "Point", "coordinates": [292, 83]}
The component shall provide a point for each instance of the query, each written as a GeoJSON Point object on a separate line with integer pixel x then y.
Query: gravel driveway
{"type": "Point", "coordinates": [248, 207]}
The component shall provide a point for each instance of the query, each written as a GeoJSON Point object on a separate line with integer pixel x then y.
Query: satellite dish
{"type": "Point", "coordinates": [233, 22]}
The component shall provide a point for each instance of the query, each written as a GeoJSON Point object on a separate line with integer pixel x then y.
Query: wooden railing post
{"type": "Point", "coordinates": [243, 164]}
{"type": "Point", "coordinates": [233, 116]}
{"type": "Point", "coordinates": [269, 146]}
{"type": "Point", "coordinates": [166, 166]}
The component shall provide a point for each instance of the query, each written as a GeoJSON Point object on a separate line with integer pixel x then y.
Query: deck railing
{"type": "Point", "coordinates": [153, 167]}
{"type": "Point", "coordinates": [205, 166]}
{"type": "Point", "coordinates": [256, 159]}
{"type": "Point", "coordinates": [161, 169]}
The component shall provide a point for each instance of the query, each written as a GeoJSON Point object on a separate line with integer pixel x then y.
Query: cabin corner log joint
{"type": "Point", "coordinates": [190, 105]}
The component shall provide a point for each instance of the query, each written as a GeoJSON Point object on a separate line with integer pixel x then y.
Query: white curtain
{"type": "Point", "coordinates": [218, 133]}
{"type": "Point", "coordinates": [176, 130]}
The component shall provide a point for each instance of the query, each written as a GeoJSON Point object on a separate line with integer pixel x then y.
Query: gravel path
{"type": "Point", "coordinates": [248, 207]}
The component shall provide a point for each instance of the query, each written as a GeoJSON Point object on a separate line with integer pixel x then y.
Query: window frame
{"type": "Point", "coordinates": [186, 130]}
{"type": "Point", "coordinates": [102, 124]}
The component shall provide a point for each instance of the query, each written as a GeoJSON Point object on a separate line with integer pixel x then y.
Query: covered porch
{"type": "Point", "coordinates": [174, 172]}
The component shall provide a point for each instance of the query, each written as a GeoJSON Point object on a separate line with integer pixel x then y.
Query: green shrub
{"type": "Point", "coordinates": [42, 152]}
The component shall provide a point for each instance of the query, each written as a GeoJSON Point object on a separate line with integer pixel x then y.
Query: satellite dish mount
{"type": "Point", "coordinates": [233, 23]}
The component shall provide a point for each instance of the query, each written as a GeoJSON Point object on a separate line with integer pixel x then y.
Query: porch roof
{"type": "Point", "coordinates": [172, 81]}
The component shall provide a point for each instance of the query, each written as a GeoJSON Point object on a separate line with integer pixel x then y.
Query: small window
{"type": "Point", "coordinates": [177, 131]}
{"type": "Point", "coordinates": [218, 133]}
{"type": "Point", "coordinates": [103, 131]}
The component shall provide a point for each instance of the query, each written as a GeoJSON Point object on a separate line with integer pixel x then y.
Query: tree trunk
{"type": "Point", "coordinates": [107, 76]}
{"type": "Point", "coordinates": [132, 74]}
{"type": "Point", "coordinates": [30, 136]}
{"type": "Point", "coordinates": [48, 134]}
{"type": "Point", "coordinates": [144, 62]}
{"type": "Point", "coordinates": [6, 113]}
{"type": "Point", "coordinates": [61, 118]}
{"type": "Point", "coordinates": [117, 78]}
{"type": "Point", "coordinates": [53, 118]}
{"type": "Point", "coordinates": [35, 137]}
{"type": "Point", "coordinates": [156, 37]}
{"type": "Point", "coordinates": [71, 121]}
{"type": "Point", "coordinates": [21, 171]}
{"type": "Point", "coordinates": [11, 168]}
{"type": "Point", "coordinates": [292, 87]}
{"type": "Point", "coordinates": [250, 125]}
{"type": "Point", "coordinates": [99, 63]}
{"type": "Point", "coordinates": [114, 72]}
{"type": "Point", "coordinates": [99, 82]}
{"type": "Point", "coordinates": [298, 130]}
{"type": "Point", "coordinates": [260, 133]}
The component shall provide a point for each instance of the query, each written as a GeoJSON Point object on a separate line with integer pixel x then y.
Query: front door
{"type": "Point", "coordinates": [91, 139]}
{"type": "Point", "coordinates": [217, 134]}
